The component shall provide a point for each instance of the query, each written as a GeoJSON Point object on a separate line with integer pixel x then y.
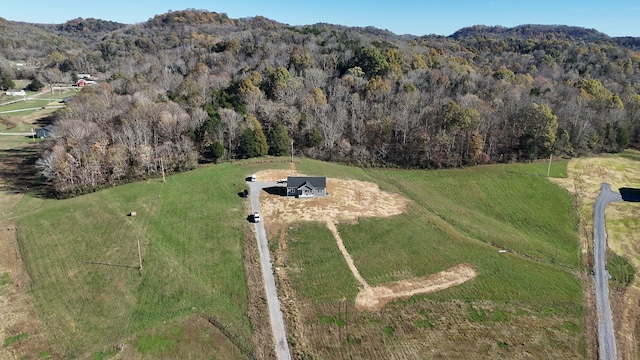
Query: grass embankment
{"type": "Point", "coordinates": [82, 257]}
{"type": "Point", "coordinates": [528, 300]}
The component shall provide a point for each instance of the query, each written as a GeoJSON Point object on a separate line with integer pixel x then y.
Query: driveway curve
{"type": "Point", "coordinates": [273, 303]}
{"type": "Point", "coordinates": [606, 338]}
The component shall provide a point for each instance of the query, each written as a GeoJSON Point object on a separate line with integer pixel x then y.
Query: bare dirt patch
{"type": "Point", "coordinates": [347, 201]}
{"type": "Point", "coordinates": [374, 298]}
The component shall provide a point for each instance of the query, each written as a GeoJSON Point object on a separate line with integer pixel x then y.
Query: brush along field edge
{"type": "Point", "coordinates": [349, 200]}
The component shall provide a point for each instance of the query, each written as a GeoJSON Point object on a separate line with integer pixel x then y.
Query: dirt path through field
{"type": "Point", "coordinates": [375, 298]}
{"type": "Point", "coordinates": [347, 257]}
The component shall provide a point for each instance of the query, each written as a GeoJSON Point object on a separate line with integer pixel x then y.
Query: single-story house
{"type": "Point", "coordinates": [44, 132]}
{"type": "Point", "coordinates": [306, 186]}
{"type": "Point", "coordinates": [16, 93]}
{"type": "Point", "coordinates": [84, 76]}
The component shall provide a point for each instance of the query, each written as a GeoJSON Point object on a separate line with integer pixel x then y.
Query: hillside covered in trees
{"type": "Point", "coordinates": [195, 86]}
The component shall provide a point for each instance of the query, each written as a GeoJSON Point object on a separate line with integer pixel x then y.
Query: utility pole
{"type": "Point", "coordinates": [549, 168]}
{"type": "Point", "coordinates": [139, 255]}
{"type": "Point", "coordinates": [291, 150]}
{"type": "Point", "coordinates": [162, 165]}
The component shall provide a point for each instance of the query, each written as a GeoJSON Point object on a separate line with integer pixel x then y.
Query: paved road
{"type": "Point", "coordinates": [277, 320]}
{"type": "Point", "coordinates": [33, 109]}
{"type": "Point", "coordinates": [18, 133]}
{"type": "Point", "coordinates": [606, 338]}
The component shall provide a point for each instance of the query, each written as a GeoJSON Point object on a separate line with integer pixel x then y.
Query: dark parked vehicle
{"type": "Point", "coordinates": [246, 193]}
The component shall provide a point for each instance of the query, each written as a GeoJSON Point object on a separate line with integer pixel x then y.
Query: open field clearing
{"type": "Point", "coordinates": [82, 260]}
{"type": "Point", "coordinates": [18, 106]}
{"type": "Point", "coordinates": [527, 300]}
{"type": "Point", "coordinates": [623, 229]}
{"type": "Point", "coordinates": [396, 225]}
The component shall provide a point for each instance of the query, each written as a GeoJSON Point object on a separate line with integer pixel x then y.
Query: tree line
{"type": "Point", "coordinates": [194, 86]}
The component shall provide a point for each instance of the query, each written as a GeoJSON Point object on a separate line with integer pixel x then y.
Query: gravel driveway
{"type": "Point", "coordinates": [606, 338]}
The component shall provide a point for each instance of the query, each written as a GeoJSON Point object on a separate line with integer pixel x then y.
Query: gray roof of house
{"type": "Point", "coordinates": [315, 181]}
{"type": "Point", "coordinates": [44, 132]}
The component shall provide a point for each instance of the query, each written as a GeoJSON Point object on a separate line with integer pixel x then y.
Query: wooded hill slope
{"type": "Point", "coordinates": [192, 85]}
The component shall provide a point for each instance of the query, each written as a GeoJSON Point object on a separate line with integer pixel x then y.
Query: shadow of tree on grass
{"type": "Point", "coordinates": [18, 172]}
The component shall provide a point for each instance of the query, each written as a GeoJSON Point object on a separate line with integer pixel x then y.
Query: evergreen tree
{"type": "Point", "coordinates": [261, 146]}
{"type": "Point", "coordinates": [253, 143]}
{"type": "Point", "coordinates": [35, 85]}
{"type": "Point", "coordinates": [247, 147]}
{"type": "Point", "coordinates": [5, 82]}
{"type": "Point", "coordinates": [279, 140]}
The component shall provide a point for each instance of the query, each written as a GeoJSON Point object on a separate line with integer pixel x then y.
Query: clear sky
{"type": "Point", "coordinates": [417, 17]}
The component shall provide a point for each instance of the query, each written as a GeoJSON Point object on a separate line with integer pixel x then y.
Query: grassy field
{"type": "Point", "coordinates": [11, 143]}
{"type": "Point", "coordinates": [82, 257]}
{"type": "Point", "coordinates": [465, 215]}
{"type": "Point", "coordinates": [45, 99]}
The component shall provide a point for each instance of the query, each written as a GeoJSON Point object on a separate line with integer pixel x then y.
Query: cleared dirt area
{"type": "Point", "coordinates": [348, 201]}
{"type": "Point", "coordinates": [623, 234]}
{"type": "Point", "coordinates": [374, 298]}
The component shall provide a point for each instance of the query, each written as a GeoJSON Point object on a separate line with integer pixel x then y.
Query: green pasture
{"type": "Point", "coordinates": [24, 105]}
{"type": "Point", "coordinates": [10, 144]}
{"type": "Point", "coordinates": [44, 99]}
{"type": "Point", "coordinates": [530, 295]}
{"type": "Point", "coordinates": [454, 216]}
{"type": "Point", "coordinates": [82, 256]}
{"type": "Point", "coordinates": [324, 276]}
{"type": "Point", "coordinates": [82, 253]}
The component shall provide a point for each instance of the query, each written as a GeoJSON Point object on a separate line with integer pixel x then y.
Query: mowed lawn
{"type": "Point", "coordinates": [454, 216]}
{"type": "Point", "coordinates": [82, 257]}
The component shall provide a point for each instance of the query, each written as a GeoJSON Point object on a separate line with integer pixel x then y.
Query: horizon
{"type": "Point", "coordinates": [400, 17]}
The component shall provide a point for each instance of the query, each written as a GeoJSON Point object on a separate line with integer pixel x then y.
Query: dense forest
{"type": "Point", "coordinates": [195, 86]}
